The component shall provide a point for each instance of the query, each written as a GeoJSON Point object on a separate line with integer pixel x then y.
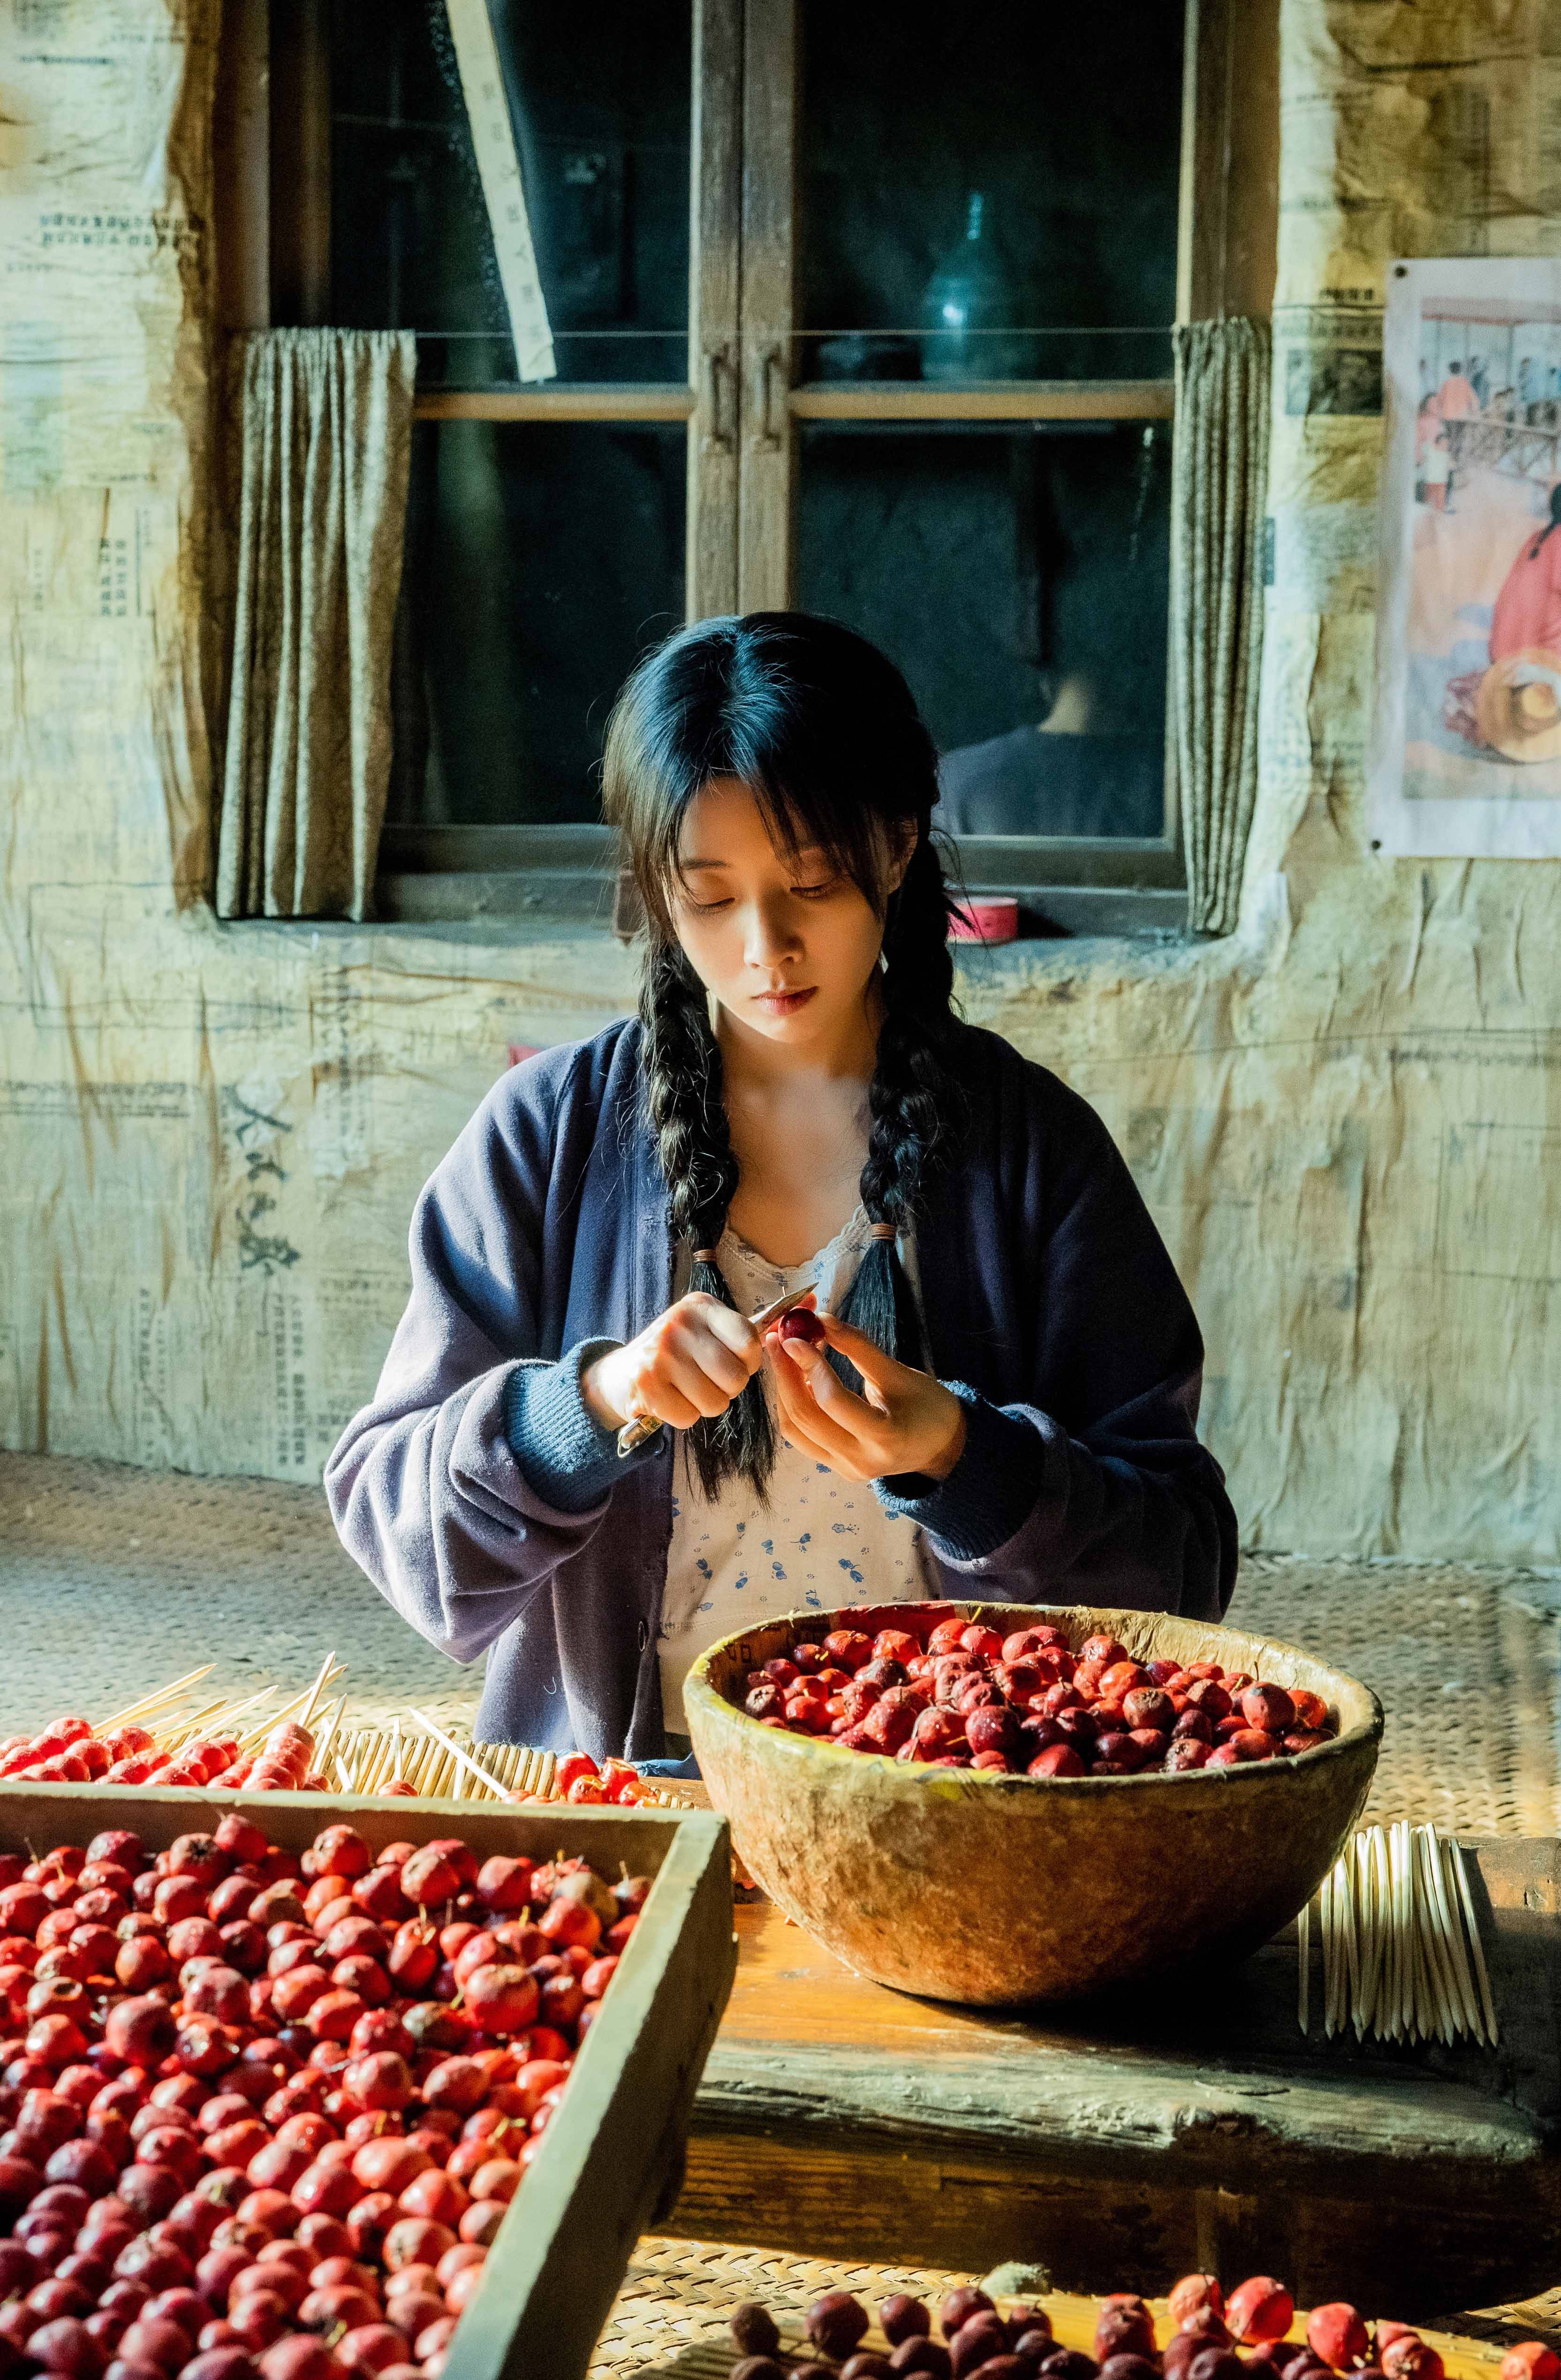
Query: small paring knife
{"type": "Point", "coordinates": [640, 1431]}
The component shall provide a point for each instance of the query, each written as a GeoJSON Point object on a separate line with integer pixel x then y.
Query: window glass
{"type": "Point", "coordinates": [542, 559]}
{"type": "Point", "coordinates": [1018, 573]}
{"type": "Point", "coordinates": [599, 99]}
{"type": "Point", "coordinates": [988, 194]}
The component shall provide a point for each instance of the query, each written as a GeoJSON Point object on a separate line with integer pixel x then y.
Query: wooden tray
{"type": "Point", "coordinates": [613, 2156]}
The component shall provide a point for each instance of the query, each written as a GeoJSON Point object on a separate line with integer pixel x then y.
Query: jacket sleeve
{"type": "Point", "coordinates": [1093, 1486]}
{"type": "Point", "coordinates": [425, 1487]}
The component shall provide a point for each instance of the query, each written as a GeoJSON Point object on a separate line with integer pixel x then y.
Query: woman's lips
{"type": "Point", "coordinates": [783, 1003]}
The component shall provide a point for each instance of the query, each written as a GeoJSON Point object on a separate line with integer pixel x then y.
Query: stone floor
{"type": "Point", "coordinates": [113, 1580]}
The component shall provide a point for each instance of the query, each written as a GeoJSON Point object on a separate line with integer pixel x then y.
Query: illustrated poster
{"type": "Point", "coordinates": [1467, 742]}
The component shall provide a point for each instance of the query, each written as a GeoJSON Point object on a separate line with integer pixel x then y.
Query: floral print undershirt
{"type": "Point", "coordinates": [821, 1541]}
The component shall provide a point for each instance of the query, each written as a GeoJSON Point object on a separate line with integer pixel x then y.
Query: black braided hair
{"type": "Point", "coordinates": [912, 1101]}
{"type": "Point", "coordinates": [688, 1116]}
{"type": "Point", "coordinates": [822, 730]}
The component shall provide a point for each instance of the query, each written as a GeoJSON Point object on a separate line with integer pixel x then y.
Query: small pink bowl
{"type": "Point", "coordinates": [985, 917]}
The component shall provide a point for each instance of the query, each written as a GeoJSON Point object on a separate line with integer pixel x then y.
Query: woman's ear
{"type": "Point", "coordinates": [902, 848]}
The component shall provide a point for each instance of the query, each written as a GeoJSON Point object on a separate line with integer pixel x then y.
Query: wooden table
{"type": "Point", "coordinates": [1192, 2126]}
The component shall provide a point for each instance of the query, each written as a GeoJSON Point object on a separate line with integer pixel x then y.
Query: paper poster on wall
{"type": "Point", "coordinates": [1466, 745]}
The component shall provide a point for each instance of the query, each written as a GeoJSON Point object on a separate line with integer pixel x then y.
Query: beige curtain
{"type": "Point", "coordinates": [320, 426]}
{"type": "Point", "coordinates": [1217, 505]}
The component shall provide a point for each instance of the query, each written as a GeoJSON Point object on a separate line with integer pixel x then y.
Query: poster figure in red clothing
{"type": "Point", "coordinates": [1512, 708]}
{"type": "Point", "coordinates": [1466, 754]}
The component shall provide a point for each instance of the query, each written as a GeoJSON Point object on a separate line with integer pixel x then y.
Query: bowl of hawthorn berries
{"type": "Point", "coordinates": [1021, 1803]}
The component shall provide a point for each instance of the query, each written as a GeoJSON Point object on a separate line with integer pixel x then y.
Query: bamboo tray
{"type": "Point", "coordinates": [1073, 2324]}
{"type": "Point", "coordinates": [612, 2159]}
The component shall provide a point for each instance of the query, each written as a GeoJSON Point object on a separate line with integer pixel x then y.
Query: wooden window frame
{"type": "Point", "coordinates": [740, 403]}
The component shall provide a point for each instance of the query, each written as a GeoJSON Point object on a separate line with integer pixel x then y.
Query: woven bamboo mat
{"type": "Point", "coordinates": [677, 2295]}
{"type": "Point", "coordinates": [1466, 1661]}
{"type": "Point", "coordinates": [109, 1570]}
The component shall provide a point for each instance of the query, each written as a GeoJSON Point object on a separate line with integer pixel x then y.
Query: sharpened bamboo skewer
{"type": "Point", "coordinates": [329, 1668]}
{"type": "Point", "coordinates": [1304, 1936]}
{"type": "Point", "coordinates": [327, 1735]}
{"type": "Point", "coordinates": [1387, 1984]}
{"type": "Point", "coordinates": [1487, 2001]}
{"type": "Point", "coordinates": [153, 1702]}
{"type": "Point", "coordinates": [1438, 1956]}
{"type": "Point", "coordinates": [1474, 2015]}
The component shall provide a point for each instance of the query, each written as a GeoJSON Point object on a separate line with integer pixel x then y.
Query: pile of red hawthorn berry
{"type": "Point", "coordinates": [966, 1696]}
{"type": "Point", "coordinates": [1244, 2336]}
{"type": "Point", "coordinates": [264, 2114]}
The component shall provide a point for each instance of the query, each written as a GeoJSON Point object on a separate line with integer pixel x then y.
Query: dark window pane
{"type": "Point", "coordinates": [541, 560]}
{"type": "Point", "coordinates": [599, 103]}
{"type": "Point", "coordinates": [1018, 576]}
{"type": "Point", "coordinates": [991, 193]}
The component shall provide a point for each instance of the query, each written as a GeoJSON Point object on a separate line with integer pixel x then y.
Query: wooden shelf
{"type": "Point", "coordinates": [1013, 400]}
{"type": "Point", "coordinates": [596, 401]}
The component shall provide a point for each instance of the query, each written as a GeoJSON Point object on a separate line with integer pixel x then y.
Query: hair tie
{"type": "Point", "coordinates": [884, 1232]}
{"type": "Point", "coordinates": [705, 1255]}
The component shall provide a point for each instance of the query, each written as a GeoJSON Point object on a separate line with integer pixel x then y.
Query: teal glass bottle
{"type": "Point", "coordinates": [967, 307]}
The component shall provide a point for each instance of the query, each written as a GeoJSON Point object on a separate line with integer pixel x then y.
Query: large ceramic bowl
{"type": "Point", "coordinates": [987, 1889]}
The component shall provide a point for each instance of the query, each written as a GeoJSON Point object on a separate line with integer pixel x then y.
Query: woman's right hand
{"type": "Point", "coordinates": [691, 1361]}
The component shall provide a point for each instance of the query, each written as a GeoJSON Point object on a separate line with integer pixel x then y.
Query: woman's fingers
{"type": "Point", "coordinates": [690, 1375]}
{"type": "Point", "coordinates": [800, 1427]}
{"type": "Point", "coordinates": [659, 1401]}
{"type": "Point", "coordinates": [722, 1345]}
{"type": "Point", "coordinates": [828, 1427]}
{"type": "Point", "coordinates": [882, 1370]}
{"type": "Point", "coordinates": [854, 1414]}
{"type": "Point", "coordinates": [733, 1330]}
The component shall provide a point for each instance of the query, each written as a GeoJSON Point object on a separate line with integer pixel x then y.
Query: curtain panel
{"type": "Point", "coordinates": [320, 425]}
{"type": "Point", "coordinates": [1217, 506]}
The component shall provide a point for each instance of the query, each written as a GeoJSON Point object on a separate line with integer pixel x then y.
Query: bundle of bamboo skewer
{"type": "Point", "coordinates": [1401, 1954]}
{"type": "Point", "coordinates": [174, 1737]}
{"type": "Point", "coordinates": [419, 1755]}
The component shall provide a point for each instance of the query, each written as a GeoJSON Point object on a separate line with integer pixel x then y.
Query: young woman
{"type": "Point", "coordinates": [1009, 1409]}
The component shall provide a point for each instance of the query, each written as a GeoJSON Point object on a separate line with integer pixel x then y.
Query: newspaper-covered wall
{"type": "Point", "coordinates": [1344, 1120]}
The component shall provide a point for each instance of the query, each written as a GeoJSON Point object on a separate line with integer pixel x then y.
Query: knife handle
{"type": "Point", "coordinates": [636, 1433]}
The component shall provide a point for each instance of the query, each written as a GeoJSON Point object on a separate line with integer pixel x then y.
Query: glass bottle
{"type": "Point", "coordinates": [967, 305]}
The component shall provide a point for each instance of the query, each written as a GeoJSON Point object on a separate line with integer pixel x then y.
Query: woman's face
{"type": "Point", "coordinates": [787, 947]}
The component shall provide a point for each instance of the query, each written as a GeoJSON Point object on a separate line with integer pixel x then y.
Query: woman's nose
{"type": "Point", "coordinates": [770, 934]}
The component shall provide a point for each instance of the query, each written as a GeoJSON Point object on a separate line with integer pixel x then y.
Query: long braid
{"type": "Point", "coordinates": [687, 1117]}
{"type": "Point", "coordinates": [913, 1102]}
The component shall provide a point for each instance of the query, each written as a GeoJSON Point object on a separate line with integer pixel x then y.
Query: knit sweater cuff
{"type": "Point", "coordinates": [567, 1458]}
{"type": "Point", "coordinates": [986, 1497]}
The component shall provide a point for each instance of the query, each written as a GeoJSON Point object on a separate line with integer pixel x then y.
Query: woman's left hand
{"type": "Point", "coordinates": [904, 1421]}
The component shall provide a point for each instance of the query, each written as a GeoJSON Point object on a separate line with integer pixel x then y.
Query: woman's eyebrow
{"type": "Point", "coordinates": [808, 851]}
